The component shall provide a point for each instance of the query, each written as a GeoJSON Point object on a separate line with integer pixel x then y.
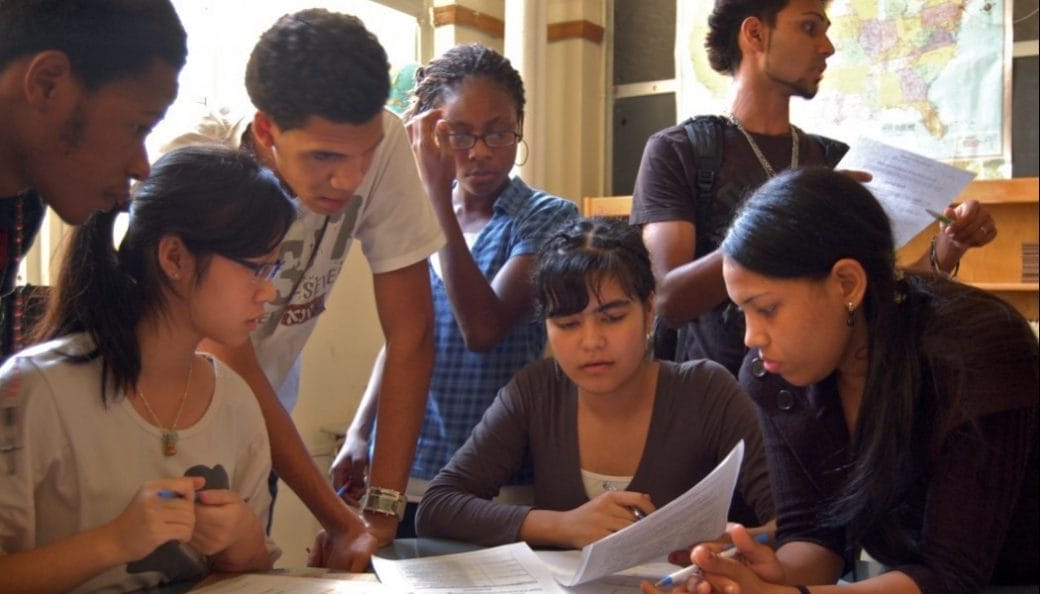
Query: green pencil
{"type": "Point", "coordinates": [945, 220]}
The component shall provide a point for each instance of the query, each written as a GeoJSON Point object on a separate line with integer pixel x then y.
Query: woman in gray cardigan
{"type": "Point", "coordinates": [610, 433]}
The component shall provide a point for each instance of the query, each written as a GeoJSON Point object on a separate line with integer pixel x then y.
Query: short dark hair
{"type": "Point", "coordinates": [318, 63]}
{"type": "Point", "coordinates": [454, 66]}
{"type": "Point", "coordinates": [724, 28]}
{"type": "Point", "coordinates": [105, 40]}
{"type": "Point", "coordinates": [217, 200]}
{"type": "Point", "coordinates": [581, 256]}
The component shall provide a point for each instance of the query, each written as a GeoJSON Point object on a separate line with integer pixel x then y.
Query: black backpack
{"type": "Point", "coordinates": [707, 142]}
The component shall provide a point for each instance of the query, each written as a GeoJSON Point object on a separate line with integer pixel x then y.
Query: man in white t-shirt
{"type": "Point", "coordinates": [319, 81]}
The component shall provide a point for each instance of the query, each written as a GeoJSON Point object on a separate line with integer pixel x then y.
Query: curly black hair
{"type": "Point", "coordinates": [724, 27]}
{"type": "Point", "coordinates": [105, 40]}
{"type": "Point", "coordinates": [318, 63]}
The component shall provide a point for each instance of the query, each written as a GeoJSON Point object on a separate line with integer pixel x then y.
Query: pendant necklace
{"type": "Point", "coordinates": [758, 152]}
{"type": "Point", "coordinates": [169, 435]}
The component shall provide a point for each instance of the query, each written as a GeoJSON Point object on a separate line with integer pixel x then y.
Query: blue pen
{"type": "Point", "coordinates": [168, 494]}
{"type": "Point", "coordinates": [680, 577]}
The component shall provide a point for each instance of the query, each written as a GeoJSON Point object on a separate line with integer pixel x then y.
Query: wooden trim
{"type": "Point", "coordinates": [606, 206]}
{"type": "Point", "coordinates": [466, 17]}
{"type": "Point", "coordinates": [1002, 191]}
{"type": "Point", "coordinates": [586, 30]}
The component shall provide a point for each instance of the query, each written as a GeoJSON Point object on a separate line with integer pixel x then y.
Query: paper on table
{"type": "Point", "coordinates": [265, 583]}
{"type": "Point", "coordinates": [906, 184]}
{"type": "Point", "coordinates": [565, 563]}
{"type": "Point", "coordinates": [507, 569]}
{"type": "Point", "coordinates": [695, 516]}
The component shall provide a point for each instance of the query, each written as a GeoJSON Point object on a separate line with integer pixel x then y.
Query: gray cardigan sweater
{"type": "Point", "coordinates": [700, 413]}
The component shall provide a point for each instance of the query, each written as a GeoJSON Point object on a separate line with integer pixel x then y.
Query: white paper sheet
{"type": "Point", "coordinates": [697, 515]}
{"type": "Point", "coordinates": [264, 583]}
{"type": "Point", "coordinates": [565, 564]}
{"type": "Point", "coordinates": [906, 184]}
{"type": "Point", "coordinates": [507, 569]}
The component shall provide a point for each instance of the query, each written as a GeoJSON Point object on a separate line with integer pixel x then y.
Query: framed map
{"type": "Point", "coordinates": [929, 76]}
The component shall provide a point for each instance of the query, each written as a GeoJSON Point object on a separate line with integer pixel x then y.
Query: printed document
{"type": "Point", "coordinates": [906, 184]}
{"type": "Point", "coordinates": [506, 569]}
{"type": "Point", "coordinates": [696, 516]}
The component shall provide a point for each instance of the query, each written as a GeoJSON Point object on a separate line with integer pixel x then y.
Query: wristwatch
{"type": "Point", "coordinates": [382, 501]}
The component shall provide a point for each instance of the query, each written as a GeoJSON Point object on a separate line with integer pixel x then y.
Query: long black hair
{"type": "Point", "coordinates": [581, 256]}
{"type": "Point", "coordinates": [798, 225]}
{"type": "Point", "coordinates": [216, 200]}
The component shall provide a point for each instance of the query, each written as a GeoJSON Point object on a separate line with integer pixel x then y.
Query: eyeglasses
{"type": "Point", "coordinates": [463, 142]}
{"type": "Point", "coordinates": [262, 271]}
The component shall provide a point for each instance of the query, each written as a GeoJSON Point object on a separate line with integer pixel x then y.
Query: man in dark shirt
{"type": "Point", "coordinates": [81, 86]}
{"type": "Point", "coordinates": [773, 49]}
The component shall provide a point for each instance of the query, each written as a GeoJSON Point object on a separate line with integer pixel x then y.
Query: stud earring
{"type": "Point", "coordinates": [851, 320]}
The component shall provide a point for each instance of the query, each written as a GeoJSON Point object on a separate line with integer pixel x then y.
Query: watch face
{"type": "Point", "coordinates": [384, 501]}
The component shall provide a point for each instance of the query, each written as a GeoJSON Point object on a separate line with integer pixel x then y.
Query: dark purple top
{"type": "Point", "coordinates": [968, 494]}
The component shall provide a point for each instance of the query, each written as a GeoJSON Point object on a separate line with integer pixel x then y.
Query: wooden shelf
{"type": "Point", "coordinates": [1018, 190]}
{"type": "Point", "coordinates": [1008, 287]}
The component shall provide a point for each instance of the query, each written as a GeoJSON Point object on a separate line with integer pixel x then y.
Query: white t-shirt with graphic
{"type": "Point", "coordinates": [392, 218]}
{"type": "Point", "coordinates": [71, 463]}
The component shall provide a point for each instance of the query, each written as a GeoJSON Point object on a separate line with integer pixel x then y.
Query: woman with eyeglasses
{"type": "Point", "coordinates": [611, 433]}
{"type": "Point", "coordinates": [466, 127]}
{"type": "Point", "coordinates": [127, 459]}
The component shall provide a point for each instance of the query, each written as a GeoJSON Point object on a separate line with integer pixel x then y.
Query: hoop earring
{"type": "Point", "coordinates": [527, 152]}
{"type": "Point", "coordinates": [851, 320]}
{"type": "Point", "coordinates": [650, 345]}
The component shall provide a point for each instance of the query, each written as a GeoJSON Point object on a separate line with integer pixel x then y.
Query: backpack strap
{"type": "Point", "coordinates": [833, 150]}
{"type": "Point", "coordinates": [706, 140]}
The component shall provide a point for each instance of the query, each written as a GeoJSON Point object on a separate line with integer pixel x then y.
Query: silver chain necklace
{"type": "Point", "coordinates": [758, 152]}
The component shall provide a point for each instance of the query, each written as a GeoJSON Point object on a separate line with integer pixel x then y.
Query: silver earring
{"type": "Point", "coordinates": [851, 320]}
{"type": "Point", "coordinates": [527, 152]}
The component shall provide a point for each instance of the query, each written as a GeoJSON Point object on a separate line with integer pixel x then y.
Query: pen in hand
{"type": "Point", "coordinates": [638, 513]}
{"type": "Point", "coordinates": [679, 577]}
{"type": "Point", "coordinates": [168, 494]}
{"type": "Point", "coordinates": [945, 220]}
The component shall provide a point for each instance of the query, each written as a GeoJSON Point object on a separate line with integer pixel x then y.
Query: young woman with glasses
{"type": "Point", "coordinates": [466, 124]}
{"type": "Point", "coordinates": [128, 459]}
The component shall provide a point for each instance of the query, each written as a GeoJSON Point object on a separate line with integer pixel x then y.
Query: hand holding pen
{"type": "Point", "coordinates": [965, 225]}
{"type": "Point", "coordinates": [638, 513]}
{"type": "Point", "coordinates": [684, 575]}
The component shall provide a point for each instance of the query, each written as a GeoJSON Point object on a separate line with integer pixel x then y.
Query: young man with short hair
{"type": "Point", "coordinates": [319, 81]}
{"type": "Point", "coordinates": [685, 195]}
{"type": "Point", "coordinates": [81, 86]}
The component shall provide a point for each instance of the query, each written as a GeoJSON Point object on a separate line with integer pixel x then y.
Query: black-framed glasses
{"type": "Point", "coordinates": [262, 271]}
{"type": "Point", "coordinates": [466, 141]}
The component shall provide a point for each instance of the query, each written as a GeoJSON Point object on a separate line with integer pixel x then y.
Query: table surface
{"type": "Point", "coordinates": [411, 548]}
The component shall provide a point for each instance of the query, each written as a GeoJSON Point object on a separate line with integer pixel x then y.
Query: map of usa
{"type": "Point", "coordinates": [925, 75]}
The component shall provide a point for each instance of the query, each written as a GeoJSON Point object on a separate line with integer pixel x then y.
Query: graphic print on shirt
{"type": "Point", "coordinates": [310, 266]}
